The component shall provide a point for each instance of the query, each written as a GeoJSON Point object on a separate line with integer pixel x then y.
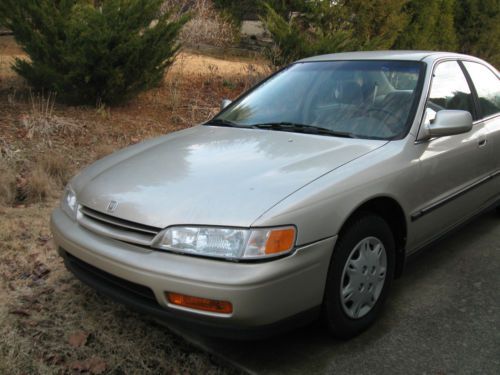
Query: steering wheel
{"type": "Point", "coordinates": [386, 112]}
{"type": "Point", "coordinates": [395, 125]}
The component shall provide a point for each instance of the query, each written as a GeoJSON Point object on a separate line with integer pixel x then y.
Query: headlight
{"type": "Point", "coordinates": [69, 204]}
{"type": "Point", "coordinates": [229, 243]}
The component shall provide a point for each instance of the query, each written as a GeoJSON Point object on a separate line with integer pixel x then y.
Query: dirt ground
{"type": "Point", "coordinates": [49, 322]}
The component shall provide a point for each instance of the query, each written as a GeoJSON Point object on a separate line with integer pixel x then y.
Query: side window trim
{"type": "Point", "coordinates": [428, 94]}
{"type": "Point", "coordinates": [477, 115]}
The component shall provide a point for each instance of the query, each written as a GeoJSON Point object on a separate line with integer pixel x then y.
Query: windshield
{"type": "Point", "coordinates": [360, 99]}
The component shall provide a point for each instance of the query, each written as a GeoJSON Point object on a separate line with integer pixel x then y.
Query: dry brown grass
{"type": "Point", "coordinates": [24, 181]}
{"type": "Point", "coordinates": [37, 186]}
{"type": "Point", "coordinates": [56, 165]}
{"type": "Point", "coordinates": [103, 150]}
{"type": "Point", "coordinates": [41, 304]}
{"type": "Point", "coordinates": [7, 183]}
{"type": "Point", "coordinates": [207, 26]}
{"type": "Point", "coordinates": [41, 121]}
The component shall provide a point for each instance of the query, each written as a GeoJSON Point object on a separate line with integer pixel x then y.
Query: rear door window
{"type": "Point", "coordinates": [487, 85]}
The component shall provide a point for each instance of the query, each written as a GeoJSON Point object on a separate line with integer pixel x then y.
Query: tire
{"type": "Point", "coordinates": [356, 270]}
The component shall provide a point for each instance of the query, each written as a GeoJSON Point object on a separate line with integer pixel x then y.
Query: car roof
{"type": "Point", "coordinates": [386, 55]}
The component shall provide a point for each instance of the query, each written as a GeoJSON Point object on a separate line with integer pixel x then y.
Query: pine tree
{"type": "Point", "coordinates": [107, 50]}
{"type": "Point", "coordinates": [323, 26]}
{"type": "Point", "coordinates": [430, 26]}
{"type": "Point", "coordinates": [478, 28]}
{"type": "Point", "coordinates": [376, 23]}
{"type": "Point", "coordinates": [320, 29]}
{"type": "Point", "coordinates": [250, 9]}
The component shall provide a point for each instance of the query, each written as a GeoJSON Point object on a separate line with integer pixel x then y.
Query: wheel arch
{"type": "Point", "coordinates": [391, 211]}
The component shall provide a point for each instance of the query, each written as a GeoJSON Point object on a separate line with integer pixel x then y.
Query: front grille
{"type": "Point", "coordinates": [110, 226]}
{"type": "Point", "coordinates": [102, 278]}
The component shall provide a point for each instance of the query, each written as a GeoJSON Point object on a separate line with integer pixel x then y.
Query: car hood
{"type": "Point", "coordinates": [212, 175]}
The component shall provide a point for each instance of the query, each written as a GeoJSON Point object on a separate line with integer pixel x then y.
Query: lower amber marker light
{"type": "Point", "coordinates": [198, 303]}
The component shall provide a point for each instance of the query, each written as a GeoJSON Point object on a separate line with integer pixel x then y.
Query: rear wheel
{"type": "Point", "coordinates": [360, 276]}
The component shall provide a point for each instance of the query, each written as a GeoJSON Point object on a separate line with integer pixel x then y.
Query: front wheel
{"type": "Point", "coordinates": [360, 276]}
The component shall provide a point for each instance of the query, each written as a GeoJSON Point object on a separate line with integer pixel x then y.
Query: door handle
{"type": "Point", "coordinates": [482, 142]}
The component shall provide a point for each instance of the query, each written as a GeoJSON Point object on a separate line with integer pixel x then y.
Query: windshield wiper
{"type": "Point", "coordinates": [302, 128]}
{"type": "Point", "coordinates": [226, 123]}
{"type": "Point", "coordinates": [283, 126]}
{"type": "Point", "coordinates": [222, 122]}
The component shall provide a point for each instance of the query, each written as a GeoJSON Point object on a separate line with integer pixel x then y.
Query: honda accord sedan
{"type": "Point", "coordinates": [302, 198]}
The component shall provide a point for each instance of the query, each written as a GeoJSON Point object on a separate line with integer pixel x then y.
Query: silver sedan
{"type": "Point", "coordinates": [303, 197]}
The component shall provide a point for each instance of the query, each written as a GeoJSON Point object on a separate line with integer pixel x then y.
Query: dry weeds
{"type": "Point", "coordinates": [41, 121]}
{"type": "Point", "coordinates": [8, 152]}
{"type": "Point", "coordinates": [43, 305]}
{"type": "Point", "coordinates": [7, 183]}
{"type": "Point", "coordinates": [56, 166]}
{"type": "Point", "coordinates": [207, 26]}
{"type": "Point", "coordinates": [29, 181]}
{"type": "Point", "coordinates": [38, 186]}
{"type": "Point", "coordinates": [103, 150]}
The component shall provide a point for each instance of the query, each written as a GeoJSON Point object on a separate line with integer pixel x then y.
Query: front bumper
{"type": "Point", "coordinates": [267, 297]}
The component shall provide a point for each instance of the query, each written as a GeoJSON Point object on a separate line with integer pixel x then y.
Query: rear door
{"type": "Point", "coordinates": [452, 168]}
{"type": "Point", "coordinates": [487, 86]}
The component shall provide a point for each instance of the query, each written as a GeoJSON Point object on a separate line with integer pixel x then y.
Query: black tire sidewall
{"type": "Point", "coordinates": [368, 225]}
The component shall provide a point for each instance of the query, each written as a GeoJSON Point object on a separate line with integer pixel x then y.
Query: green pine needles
{"type": "Point", "coordinates": [92, 51]}
{"type": "Point", "coordinates": [325, 26]}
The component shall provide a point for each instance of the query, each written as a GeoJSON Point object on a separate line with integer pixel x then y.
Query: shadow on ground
{"type": "Point", "coordinates": [443, 316]}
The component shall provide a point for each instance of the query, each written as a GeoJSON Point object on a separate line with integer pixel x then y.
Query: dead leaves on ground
{"type": "Point", "coordinates": [78, 339]}
{"type": "Point", "coordinates": [75, 342]}
{"type": "Point", "coordinates": [20, 312]}
{"type": "Point", "coordinates": [26, 274]}
{"type": "Point", "coordinates": [94, 365]}
{"type": "Point", "coordinates": [40, 271]}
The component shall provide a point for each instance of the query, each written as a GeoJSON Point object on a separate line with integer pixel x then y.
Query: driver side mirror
{"type": "Point", "coordinates": [450, 122]}
{"type": "Point", "coordinates": [224, 103]}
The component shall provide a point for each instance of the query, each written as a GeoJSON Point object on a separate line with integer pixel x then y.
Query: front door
{"type": "Point", "coordinates": [452, 167]}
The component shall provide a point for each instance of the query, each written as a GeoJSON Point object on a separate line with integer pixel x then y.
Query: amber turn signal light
{"type": "Point", "coordinates": [280, 240]}
{"type": "Point", "coordinates": [198, 303]}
